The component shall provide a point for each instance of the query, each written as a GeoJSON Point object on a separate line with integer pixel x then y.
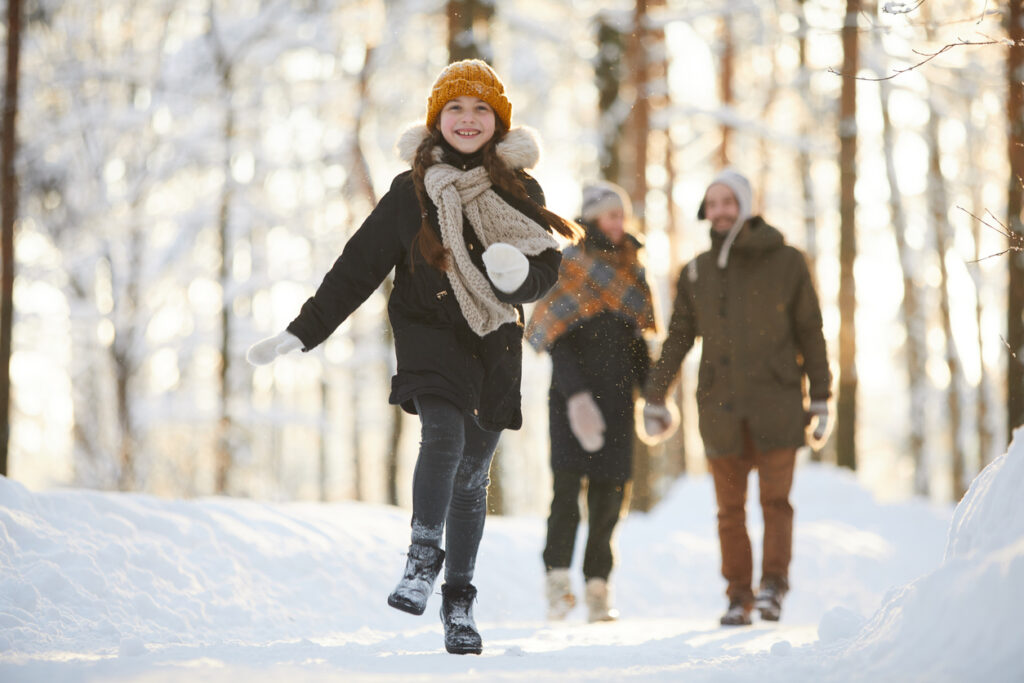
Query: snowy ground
{"type": "Point", "coordinates": [113, 587]}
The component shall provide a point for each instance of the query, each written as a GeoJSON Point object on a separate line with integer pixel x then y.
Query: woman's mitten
{"type": "Point", "coordinates": [586, 421]}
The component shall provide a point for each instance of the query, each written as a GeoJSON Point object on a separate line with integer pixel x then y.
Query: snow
{"type": "Point", "coordinates": [127, 587]}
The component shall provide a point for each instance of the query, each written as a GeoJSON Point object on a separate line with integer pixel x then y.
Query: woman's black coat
{"type": "Point", "coordinates": [607, 356]}
{"type": "Point", "coordinates": [437, 352]}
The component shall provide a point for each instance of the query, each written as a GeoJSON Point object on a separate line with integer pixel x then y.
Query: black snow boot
{"type": "Point", "coordinates": [460, 634]}
{"type": "Point", "coordinates": [421, 570]}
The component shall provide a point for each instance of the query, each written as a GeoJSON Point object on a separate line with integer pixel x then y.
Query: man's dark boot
{"type": "Point", "coordinates": [738, 614]}
{"type": "Point", "coordinates": [421, 569]}
{"type": "Point", "coordinates": [460, 634]}
{"type": "Point", "coordinates": [769, 598]}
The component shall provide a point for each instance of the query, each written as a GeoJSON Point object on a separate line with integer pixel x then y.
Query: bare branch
{"type": "Point", "coordinates": [1016, 239]}
{"type": "Point", "coordinates": [928, 56]}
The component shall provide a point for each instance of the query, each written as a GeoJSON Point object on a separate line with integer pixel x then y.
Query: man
{"type": "Point", "coordinates": [751, 298]}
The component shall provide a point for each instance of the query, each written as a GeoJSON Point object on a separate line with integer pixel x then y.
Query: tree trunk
{"type": "Point", "coordinates": [611, 107]}
{"type": "Point", "coordinates": [846, 404]}
{"type": "Point", "coordinates": [725, 95]}
{"type": "Point", "coordinates": [8, 212]}
{"type": "Point", "coordinates": [915, 349]}
{"type": "Point", "coordinates": [986, 431]}
{"type": "Point", "coordinates": [222, 446]}
{"type": "Point", "coordinates": [938, 208]}
{"type": "Point", "coordinates": [1014, 200]}
{"type": "Point", "coordinates": [468, 34]}
{"type": "Point", "coordinates": [938, 204]}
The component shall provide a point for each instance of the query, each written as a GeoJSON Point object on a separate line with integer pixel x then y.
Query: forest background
{"type": "Point", "coordinates": [182, 173]}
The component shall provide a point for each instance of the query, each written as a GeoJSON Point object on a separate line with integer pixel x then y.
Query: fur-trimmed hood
{"type": "Point", "coordinates": [520, 148]}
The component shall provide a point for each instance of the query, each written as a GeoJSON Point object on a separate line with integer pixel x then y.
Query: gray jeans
{"type": "Point", "coordinates": [449, 484]}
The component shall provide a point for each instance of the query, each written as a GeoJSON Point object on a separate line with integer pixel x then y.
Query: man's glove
{"type": "Point", "coordinates": [659, 421]}
{"type": "Point", "coordinates": [506, 266]}
{"type": "Point", "coordinates": [586, 421]}
{"type": "Point", "coordinates": [266, 350]}
{"type": "Point", "coordinates": [817, 412]}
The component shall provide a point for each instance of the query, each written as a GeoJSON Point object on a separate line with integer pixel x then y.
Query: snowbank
{"type": "Point", "coordinates": [961, 621]}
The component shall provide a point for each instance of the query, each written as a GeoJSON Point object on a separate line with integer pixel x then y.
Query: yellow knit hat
{"type": "Point", "coordinates": [469, 77]}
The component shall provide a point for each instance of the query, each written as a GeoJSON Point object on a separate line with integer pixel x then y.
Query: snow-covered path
{"type": "Point", "coordinates": [113, 587]}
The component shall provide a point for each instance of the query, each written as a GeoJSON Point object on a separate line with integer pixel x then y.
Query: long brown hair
{"type": "Point", "coordinates": [503, 177]}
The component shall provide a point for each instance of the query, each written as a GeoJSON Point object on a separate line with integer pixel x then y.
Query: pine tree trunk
{"type": "Point", "coordinates": [8, 212]}
{"type": "Point", "coordinates": [1014, 204]}
{"type": "Point", "coordinates": [846, 404]}
{"type": "Point", "coordinates": [725, 94]}
{"type": "Point", "coordinates": [468, 35]}
{"type": "Point", "coordinates": [612, 112]}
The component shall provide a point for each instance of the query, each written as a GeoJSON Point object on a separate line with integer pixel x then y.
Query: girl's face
{"type": "Point", "coordinates": [467, 123]}
{"type": "Point", "coordinates": [613, 224]}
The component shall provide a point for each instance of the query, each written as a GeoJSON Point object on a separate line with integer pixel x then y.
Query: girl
{"type": "Point", "coordinates": [592, 323]}
{"type": "Point", "coordinates": [470, 241]}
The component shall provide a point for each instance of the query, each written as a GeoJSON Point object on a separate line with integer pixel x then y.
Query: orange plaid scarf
{"type": "Point", "coordinates": [592, 281]}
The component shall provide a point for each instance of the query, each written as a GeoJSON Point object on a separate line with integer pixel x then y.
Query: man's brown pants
{"type": "Point", "coordinates": [775, 475]}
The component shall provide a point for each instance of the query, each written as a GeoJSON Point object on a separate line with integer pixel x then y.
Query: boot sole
{"type": "Point", "coordinates": [406, 606]}
{"type": "Point", "coordinates": [463, 650]}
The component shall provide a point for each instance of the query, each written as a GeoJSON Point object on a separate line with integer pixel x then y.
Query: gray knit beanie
{"type": "Point", "coordinates": [740, 187]}
{"type": "Point", "coordinates": [600, 196]}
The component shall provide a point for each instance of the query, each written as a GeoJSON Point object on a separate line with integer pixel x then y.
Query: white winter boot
{"type": "Point", "coordinates": [559, 592]}
{"type": "Point", "coordinates": [598, 604]}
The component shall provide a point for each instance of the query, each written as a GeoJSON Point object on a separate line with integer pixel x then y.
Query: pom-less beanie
{"type": "Point", "coordinates": [469, 77]}
{"type": "Point", "coordinates": [600, 196]}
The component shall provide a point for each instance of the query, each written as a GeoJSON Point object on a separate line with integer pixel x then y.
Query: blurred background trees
{"type": "Point", "coordinates": [187, 172]}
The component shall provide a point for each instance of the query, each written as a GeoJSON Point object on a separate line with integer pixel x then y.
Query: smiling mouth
{"type": "Point", "coordinates": [467, 133]}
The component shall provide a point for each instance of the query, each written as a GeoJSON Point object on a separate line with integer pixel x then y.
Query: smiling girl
{"type": "Point", "coordinates": [468, 237]}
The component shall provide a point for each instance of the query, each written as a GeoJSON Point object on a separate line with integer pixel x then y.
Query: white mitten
{"type": "Point", "coordinates": [506, 266]}
{"type": "Point", "coordinates": [586, 421]}
{"type": "Point", "coordinates": [659, 421]}
{"type": "Point", "coordinates": [266, 350]}
{"type": "Point", "coordinates": [818, 412]}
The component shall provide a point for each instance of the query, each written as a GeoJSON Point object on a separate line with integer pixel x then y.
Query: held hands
{"type": "Point", "coordinates": [586, 421]}
{"type": "Point", "coordinates": [659, 421]}
{"type": "Point", "coordinates": [266, 350]}
{"type": "Point", "coordinates": [506, 266]}
{"type": "Point", "coordinates": [817, 412]}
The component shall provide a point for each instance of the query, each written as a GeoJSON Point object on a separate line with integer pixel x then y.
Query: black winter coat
{"type": "Point", "coordinates": [437, 353]}
{"type": "Point", "coordinates": [607, 356]}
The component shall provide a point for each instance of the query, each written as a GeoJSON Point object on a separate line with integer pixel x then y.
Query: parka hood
{"type": "Point", "coordinates": [520, 148]}
{"type": "Point", "coordinates": [753, 236]}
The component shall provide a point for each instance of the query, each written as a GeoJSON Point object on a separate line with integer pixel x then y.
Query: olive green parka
{"type": "Point", "coordinates": [761, 331]}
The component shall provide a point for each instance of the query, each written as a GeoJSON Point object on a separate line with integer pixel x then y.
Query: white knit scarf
{"type": "Point", "coordinates": [456, 193]}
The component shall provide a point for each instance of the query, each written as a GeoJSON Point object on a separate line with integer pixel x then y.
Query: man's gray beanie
{"type": "Point", "coordinates": [740, 187]}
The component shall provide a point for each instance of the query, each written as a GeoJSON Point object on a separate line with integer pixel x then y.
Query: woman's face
{"type": "Point", "coordinates": [467, 123]}
{"type": "Point", "coordinates": [612, 223]}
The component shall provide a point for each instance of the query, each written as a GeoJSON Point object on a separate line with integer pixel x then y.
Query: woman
{"type": "Point", "coordinates": [592, 323]}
